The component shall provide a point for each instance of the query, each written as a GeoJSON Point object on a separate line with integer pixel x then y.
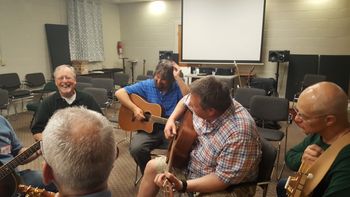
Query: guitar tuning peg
{"type": "Point", "coordinates": [310, 176]}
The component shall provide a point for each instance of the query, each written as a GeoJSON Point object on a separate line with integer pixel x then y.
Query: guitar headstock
{"type": "Point", "coordinates": [295, 184]}
{"type": "Point", "coordinates": [168, 188]}
{"type": "Point", "coordinates": [34, 191]}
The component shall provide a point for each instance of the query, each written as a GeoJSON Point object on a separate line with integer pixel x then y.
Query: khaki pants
{"type": "Point", "coordinates": [239, 191]}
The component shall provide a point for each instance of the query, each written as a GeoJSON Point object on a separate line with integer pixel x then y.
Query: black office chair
{"type": "Point", "coordinates": [101, 97]}
{"type": "Point", "coordinates": [84, 79]}
{"type": "Point", "coordinates": [243, 95]}
{"type": "Point", "coordinates": [35, 81]}
{"type": "Point", "coordinates": [267, 163]}
{"type": "Point", "coordinates": [81, 86]}
{"type": "Point", "coordinates": [121, 79]}
{"type": "Point", "coordinates": [33, 106]}
{"type": "Point", "coordinates": [267, 108]}
{"type": "Point", "coordinates": [308, 80]}
{"type": "Point", "coordinates": [142, 77]}
{"type": "Point", "coordinates": [4, 100]}
{"type": "Point", "coordinates": [106, 83]}
{"type": "Point", "coordinates": [12, 83]}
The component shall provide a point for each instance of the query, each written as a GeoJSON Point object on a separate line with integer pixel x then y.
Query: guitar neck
{"type": "Point", "coordinates": [18, 160]}
{"type": "Point", "coordinates": [158, 119]}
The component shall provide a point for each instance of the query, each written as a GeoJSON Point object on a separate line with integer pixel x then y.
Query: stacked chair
{"type": "Point", "coordinates": [12, 83]}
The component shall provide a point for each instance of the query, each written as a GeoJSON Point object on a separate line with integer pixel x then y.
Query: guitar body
{"type": "Point", "coordinates": [181, 145]}
{"type": "Point", "coordinates": [8, 185]}
{"type": "Point", "coordinates": [129, 123]}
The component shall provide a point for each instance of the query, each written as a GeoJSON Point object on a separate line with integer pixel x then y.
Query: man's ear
{"type": "Point", "coordinates": [331, 120]}
{"type": "Point", "coordinates": [47, 174]}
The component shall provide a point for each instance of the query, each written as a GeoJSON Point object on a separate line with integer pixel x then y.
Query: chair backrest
{"type": "Point", "coordinates": [142, 77]}
{"type": "Point", "coordinates": [99, 94]}
{"type": "Point", "coordinates": [81, 86]}
{"type": "Point", "coordinates": [106, 83]}
{"type": "Point", "coordinates": [243, 95]}
{"type": "Point", "coordinates": [4, 98]}
{"type": "Point", "coordinates": [10, 81]}
{"type": "Point", "coordinates": [269, 154]}
{"type": "Point", "coordinates": [35, 79]}
{"type": "Point", "coordinates": [121, 79]}
{"type": "Point", "coordinates": [310, 79]}
{"type": "Point", "coordinates": [50, 86]}
{"type": "Point", "coordinates": [268, 84]}
{"type": "Point", "coordinates": [84, 79]}
{"type": "Point", "coordinates": [269, 108]}
{"type": "Point", "coordinates": [149, 73]}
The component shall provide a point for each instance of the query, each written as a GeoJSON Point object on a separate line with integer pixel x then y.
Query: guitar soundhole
{"type": "Point", "coordinates": [148, 116]}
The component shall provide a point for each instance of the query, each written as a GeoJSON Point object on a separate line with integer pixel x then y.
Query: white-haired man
{"type": "Point", "coordinates": [65, 96]}
{"type": "Point", "coordinates": [79, 150]}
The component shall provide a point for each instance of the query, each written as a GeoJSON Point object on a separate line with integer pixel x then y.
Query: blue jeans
{"type": "Point", "coordinates": [34, 178]}
{"type": "Point", "coordinates": [281, 192]}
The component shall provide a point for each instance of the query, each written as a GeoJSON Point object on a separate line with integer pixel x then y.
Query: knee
{"type": "Point", "coordinates": [151, 167]}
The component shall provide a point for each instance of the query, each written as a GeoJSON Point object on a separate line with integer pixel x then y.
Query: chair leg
{"type": "Point", "coordinates": [264, 187]}
{"type": "Point", "coordinates": [278, 159]}
{"type": "Point", "coordinates": [281, 172]}
{"type": "Point", "coordinates": [137, 179]}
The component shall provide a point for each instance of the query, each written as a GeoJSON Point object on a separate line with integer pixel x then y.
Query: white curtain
{"type": "Point", "coordinates": [85, 30]}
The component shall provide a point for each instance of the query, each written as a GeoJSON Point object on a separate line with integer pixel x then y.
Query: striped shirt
{"type": "Point", "coordinates": [147, 90]}
{"type": "Point", "coordinates": [229, 147]}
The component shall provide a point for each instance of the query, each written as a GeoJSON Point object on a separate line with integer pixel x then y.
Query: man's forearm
{"type": "Point", "coordinates": [206, 184]}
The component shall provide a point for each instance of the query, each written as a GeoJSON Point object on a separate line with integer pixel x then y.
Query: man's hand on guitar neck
{"type": "Point", "coordinates": [311, 153]}
{"type": "Point", "coordinates": [170, 129]}
{"type": "Point", "coordinates": [167, 179]}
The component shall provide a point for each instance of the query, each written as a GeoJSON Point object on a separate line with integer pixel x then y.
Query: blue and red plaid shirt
{"type": "Point", "coordinates": [229, 147]}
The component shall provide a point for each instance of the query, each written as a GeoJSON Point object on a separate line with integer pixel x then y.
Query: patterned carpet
{"type": "Point", "coordinates": [121, 181]}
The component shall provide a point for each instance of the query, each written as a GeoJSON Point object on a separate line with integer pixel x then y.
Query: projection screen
{"type": "Point", "coordinates": [219, 31]}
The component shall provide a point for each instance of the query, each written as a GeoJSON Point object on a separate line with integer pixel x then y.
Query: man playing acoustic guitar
{"type": "Point", "coordinates": [226, 154]}
{"type": "Point", "coordinates": [10, 147]}
{"type": "Point", "coordinates": [166, 89]}
{"type": "Point", "coordinates": [321, 111]}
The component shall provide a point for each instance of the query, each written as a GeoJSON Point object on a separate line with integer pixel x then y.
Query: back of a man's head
{"type": "Point", "coordinates": [79, 146]}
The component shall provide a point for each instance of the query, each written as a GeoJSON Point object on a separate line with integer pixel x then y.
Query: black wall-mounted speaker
{"type": "Point", "coordinates": [279, 56]}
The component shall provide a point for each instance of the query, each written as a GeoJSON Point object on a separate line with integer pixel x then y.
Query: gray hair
{"type": "Point", "coordinates": [79, 145]}
{"type": "Point", "coordinates": [165, 70]}
{"type": "Point", "coordinates": [58, 68]}
{"type": "Point", "coordinates": [212, 92]}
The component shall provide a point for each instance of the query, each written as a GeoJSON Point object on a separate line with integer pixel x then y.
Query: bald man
{"type": "Point", "coordinates": [322, 114]}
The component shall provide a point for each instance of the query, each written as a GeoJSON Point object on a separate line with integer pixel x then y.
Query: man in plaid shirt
{"type": "Point", "coordinates": [226, 155]}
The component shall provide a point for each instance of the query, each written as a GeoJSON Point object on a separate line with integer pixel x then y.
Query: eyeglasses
{"type": "Point", "coordinates": [305, 118]}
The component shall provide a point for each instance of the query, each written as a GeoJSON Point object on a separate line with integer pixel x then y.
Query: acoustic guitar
{"type": "Point", "coordinates": [295, 184]}
{"type": "Point", "coordinates": [30, 191]}
{"type": "Point", "coordinates": [8, 179]}
{"type": "Point", "coordinates": [179, 149]}
{"type": "Point", "coordinates": [152, 112]}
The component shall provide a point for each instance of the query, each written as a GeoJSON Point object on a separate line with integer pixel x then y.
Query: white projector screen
{"type": "Point", "coordinates": [222, 31]}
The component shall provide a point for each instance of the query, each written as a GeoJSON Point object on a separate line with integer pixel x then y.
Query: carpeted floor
{"type": "Point", "coordinates": [121, 181]}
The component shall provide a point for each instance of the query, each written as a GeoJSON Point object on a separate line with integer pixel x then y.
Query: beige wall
{"type": "Point", "coordinates": [144, 33]}
{"type": "Point", "coordinates": [23, 44]}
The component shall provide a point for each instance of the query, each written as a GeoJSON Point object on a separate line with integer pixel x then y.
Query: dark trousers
{"type": "Point", "coordinates": [143, 143]}
{"type": "Point", "coordinates": [281, 192]}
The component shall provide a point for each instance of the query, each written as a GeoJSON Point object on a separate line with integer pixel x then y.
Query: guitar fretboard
{"type": "Point", "coordinates": [9, 167]}
{"type": "Point", "coordinates": [158, 119]}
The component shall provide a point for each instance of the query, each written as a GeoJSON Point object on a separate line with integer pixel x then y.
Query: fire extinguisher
{"type": "Point", "coordinates": [120, 48]}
